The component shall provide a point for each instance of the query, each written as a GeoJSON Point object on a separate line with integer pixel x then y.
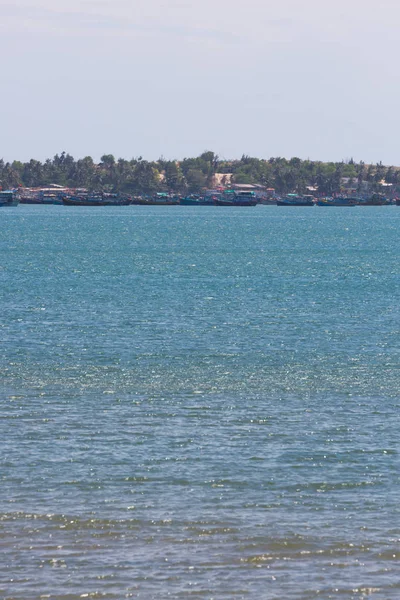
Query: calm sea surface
{"type": "Point", "coordinates": [199, 403]}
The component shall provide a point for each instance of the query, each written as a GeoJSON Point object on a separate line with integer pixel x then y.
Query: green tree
{"type": "Point", "coordinates": [174, 178]}
{"type": "Point", "coordinates": [196, 180]}
{"type": "Point", "coordinates": [146, 178]}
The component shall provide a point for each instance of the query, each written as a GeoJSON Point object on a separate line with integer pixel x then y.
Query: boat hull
{"type": "Point", "coordinates": [335, 204]}
{"type": "Point", "coordinates": [155, 203]}
{"type": "Point", "coordinates": [235, 203]}
{"type": "Point", "coordinates": [189, 202]}
{"type": "Point", "coordinates": [8, 199]}
{"type": "Point", "coordinates": [77, 201]}
{"type": "Point", "coordinates": [283, 203]}
{"type": "Point", "coordinates": [373, 203]}
{"type": "Point", "coordinates": [82, 202]}
{"type": "Point", "coordinates": [9, 204]}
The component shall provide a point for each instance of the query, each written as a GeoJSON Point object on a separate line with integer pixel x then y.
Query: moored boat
{"type": "Point", "coordinates": [52, 195]}
{"type": "Point", "coordinates": [340, 201]}
{"type": "Point", "coordinates": [196, 200]}
{"type": "Point", "coordinates": [84, 201]}
{"type": "Point", "coordinates": [231, 198]}
{"type": "Point", "coordinates": [374, 200]}
{"type": "Point", "coordinates": [160, 199]}
{"type": "Point", "coordinates": [295, 200]}
{"type": "Point", "coordinates": [246, 199]}
{"type": "Point", "coordinates": [29, 197]}
{"type": "Point", "coordinates": [117, 199]}
{"type": "Point", "coordinates": [9, 198]}
{"type": "Point", "coordinates": [96, 199]}
{"type": "Point", "coordinates": [139, 200]}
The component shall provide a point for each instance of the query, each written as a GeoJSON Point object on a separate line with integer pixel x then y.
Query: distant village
{"type": "Point", "coordinates": [266, 178]}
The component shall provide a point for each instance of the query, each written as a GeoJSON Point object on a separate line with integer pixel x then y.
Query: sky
{"type": "Point", "coordinates": [315, 79]}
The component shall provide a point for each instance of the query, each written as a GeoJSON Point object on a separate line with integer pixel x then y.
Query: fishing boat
{"type": "Point", "coordinates": [225, 198]}
{"type": "Point", "coordinates": [232, 198]}
{"type": "Point", "coordinates": [9, 198]}
{"type": "Point", "coordinates": [96, 199]}
{"type": "Point", "coordinates": [84, 201]}
{"type": "Point", "coordinates": [268, 201]}
{"type": "Point", "coordinates": [117, 199]}
{"type": "Point", "coordinates": [162, 199]}
{"type": "Point", "coordinates": [43, 195]}
{"type": "Point", "coordinates": [341, 201]}
{"type": "Point", "coordinates": [246, 199]}
{"type": "Point", "coordinates": [295, 200]}
{"type": "Point", "coordinates": [223, 202]}
{"type": "Point", "coordinates": [52, 195]}
{"type": "Point", "coordinates": [139, 200]}
{"type": "Point", "coordinates": [29, 197]}
{"type": "Point", "coordinates": [196, 200]}
{"type": "Point", "coordinates": [374, 200]}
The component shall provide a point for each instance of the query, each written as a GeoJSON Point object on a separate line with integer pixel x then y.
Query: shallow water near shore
{"type": "Point", "coordinates": [199, 402]}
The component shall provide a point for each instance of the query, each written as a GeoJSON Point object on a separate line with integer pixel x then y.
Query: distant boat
{"type": "Point", "coordinates": [138, 200]}
{"type": "Point", "coordinates": [30, 197]}
{"type": "Point", "coordinates": [84, 201]}
{"type": "Point", "coordinates": [117, 199]}
{"type": "Point", "coordinates": [374, 200]}
{"type": "Point", "coordinates": [100, 199]}
{"type": "Point", "coordinates": [50, 196]}
{"type": "Point", "coordinates": [43, 195]}
{"type": "Point", "coordinates": [9, 198]}
{"type": "Point", "coordinates": [162, 199]}
{"type": "Point", "coordinates": [272, 200]}
{"type": "Point", "coordinates": [296, 200]}
{"type": "Point", "coordinates": [196, 200]}
{"type": "Point", "coordinates": [222, 202]}
{"type": "Point", "coordinates": [246, 199]}
{"type": "Point", "coordinates": [231, 198]}
{"type": "Point", "coordinates": [338, 201]}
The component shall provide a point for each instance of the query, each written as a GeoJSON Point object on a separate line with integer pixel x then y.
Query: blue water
{"type": "Point", "coordinates": [199, 402]}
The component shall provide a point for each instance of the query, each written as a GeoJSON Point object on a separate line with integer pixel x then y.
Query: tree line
{"type": "Point", "coordinates": [191, 175]}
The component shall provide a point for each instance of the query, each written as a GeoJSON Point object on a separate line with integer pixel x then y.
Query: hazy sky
{"type": "Point", "coordinates": [307, 78]}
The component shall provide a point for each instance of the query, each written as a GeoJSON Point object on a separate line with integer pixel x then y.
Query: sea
{"type": "Point", "coordinates": [199, 402]}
